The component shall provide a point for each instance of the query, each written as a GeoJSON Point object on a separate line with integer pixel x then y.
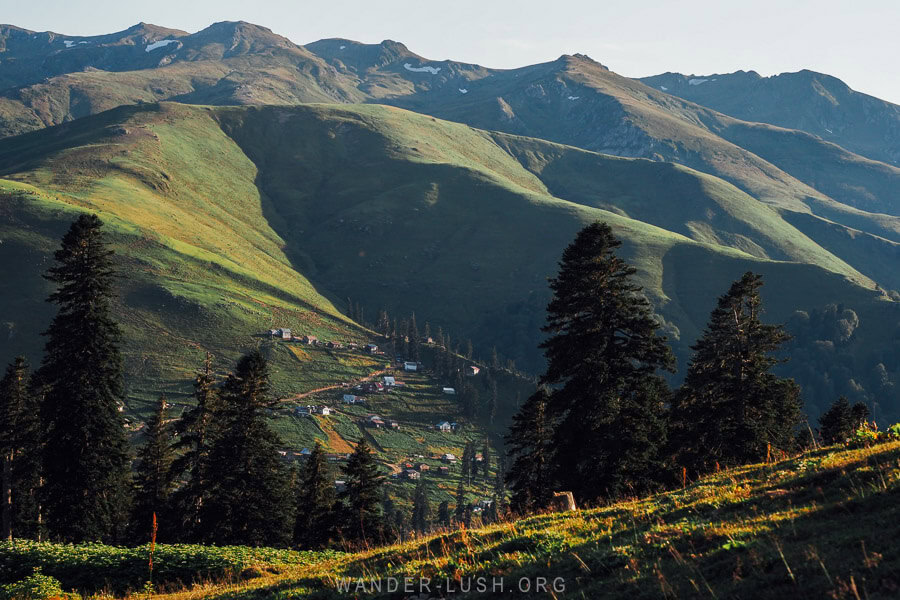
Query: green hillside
{"type": "Point", "coordinates": [311, 205]}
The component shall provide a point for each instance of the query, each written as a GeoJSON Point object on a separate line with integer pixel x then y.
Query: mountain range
{"type": "Point", "coordinates": [447, 189]}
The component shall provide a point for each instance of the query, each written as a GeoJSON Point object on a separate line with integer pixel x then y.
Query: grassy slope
{"type": "Point", "coordinates": [205, 271]}
{"type": "Point", "coordinates": [451, 228]}
{"type": "Point", "coordinates": [820, 525]}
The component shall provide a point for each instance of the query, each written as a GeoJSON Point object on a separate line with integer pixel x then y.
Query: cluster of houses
{"type": "Point", "coordinates": [377, 422]}
{"type": "Point", "coordinates": [311, 340]}
{"type": "Point", "coordinates": [310, 410]}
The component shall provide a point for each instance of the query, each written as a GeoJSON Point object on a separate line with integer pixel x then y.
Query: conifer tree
{"type": "Point", "coordinates": [461, 503]}
{"type": "Point", "coordinates": [19, 453]}
{"type": "Point", "coordinates": [154, 480]}
{"type": "Point", "coordinates": [469, 349]}
{"type": "Point", "coordinates": [315, 502]}
{"type": "Point", "coordinates": [603, 350]}
{"type": "Point", "coordinates": [413, 334]}
{"type": "Point", "coordinates": [841, 420]}
{"type": "Point", "coordinates": [384, 324]}
{"type": "Point", "coordinates": [731, 408]}
{"type": "Point", "coordinates": [421, 511]}
{"type": "Point", "coordinates": [491, 408]}
{"type": "Point", "coordinates": [86, 462]}
{"type": "Point", "coordinates": [500, 503]}
{"type": "Point", "coordinates": [466, 459]}
{"type": "Point", "coordinates": [444, 514]}
{"type": "Point", "coordinates": [196, 431]}
{"type": "Point", "coordinates": [486, 460]}
{"type": "Point", "coordinates": [530, 440]}
{"type": "Point", "coordinates": [248, 500]}
{"type": "Point", "coordinates": [362, 518]}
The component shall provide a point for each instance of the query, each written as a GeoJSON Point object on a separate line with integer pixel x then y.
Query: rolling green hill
{"type": "Point", "coordinates": [310, 205]}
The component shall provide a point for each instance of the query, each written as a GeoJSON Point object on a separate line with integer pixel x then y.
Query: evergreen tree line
{"type": "Point", "coordinates": [604, 422]}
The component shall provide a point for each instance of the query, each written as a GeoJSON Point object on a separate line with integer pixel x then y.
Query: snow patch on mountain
{"type": "Point", "coordinates": [68, 43]}
{"type": "Point", "coordinates": [697, 81]}
{"type": "Point", "coordinates": [664, 88]}
{"type": "Point", "coordinates": [574, 97]}
{"type": "Point", "coordinates": [463, 91]}
{"type": "Point", "coordinates": [426, 69]}
{"type": "Point", "coordinates": [159, 44]}
{"type": "Point", "coordinates": [342, 47]}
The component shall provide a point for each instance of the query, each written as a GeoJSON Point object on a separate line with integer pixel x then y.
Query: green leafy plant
{"type": "Point", "coordinates": [36, 586]}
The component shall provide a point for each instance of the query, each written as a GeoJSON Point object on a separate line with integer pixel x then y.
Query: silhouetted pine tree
{"type": "Point", "coordinates": [461, 503]}
{"type": "Point", "coordinates": [248, 500]}
{"type": "Point", "coordinates": [731, 409]}
{"type": "Point", "coordinates": [530, 441]}
{"type": "Point", "coordinates": [444, 514]}
{"type": "Point", "coordinates": [500, 501]}
{"type": "Point", "coordinates": [384, 324]}
{"type": "Point", "coordinates": [413, 334]}
{"type": "Point", "coordinates": [841, 420]}
{"type": "Point", "coordinates": [86, 462]}
{"type": "Point", "coordinates": [154, 479]}
{"type": "Point", "coordinates": [315, 496]}
{"type": "Point", "coordinates": [467, 459]}
{"type": "Point", "coordinates": [362, 518]}
{"type": "Point", "coordinates": [491, 408]}
{"type": "Point", "coordinates": [603, 349]}
{"type": "Point", "coordinates": [196, 431]}
{"type": "Point", "coordinates": [421, 511]}
{"type": "Point", "coordinates": [19, 453]}
{"type": "Point", "coordinates": [486, 460]}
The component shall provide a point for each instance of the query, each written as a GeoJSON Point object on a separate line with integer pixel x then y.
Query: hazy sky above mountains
{"type": "Point", "coordinates": [855, 41]}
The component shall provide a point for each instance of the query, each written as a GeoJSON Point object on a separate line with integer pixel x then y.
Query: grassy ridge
{"type": "Point", "coordinates": [819, 525]}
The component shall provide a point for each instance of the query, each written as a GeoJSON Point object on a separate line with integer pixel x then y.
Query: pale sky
{"type": "Point", "coordinates": [857, 41]}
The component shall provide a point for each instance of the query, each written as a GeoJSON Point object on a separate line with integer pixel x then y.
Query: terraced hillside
{"type": "Point", "coordinates": [310, 205]}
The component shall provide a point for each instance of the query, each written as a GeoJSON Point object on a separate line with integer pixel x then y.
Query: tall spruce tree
{"type": "Point", "coordinates": [196, 431]}
{"type": "Point", "coordinates": [421, 511]}
{"type": "Point", "coordinates": [530, 441]}
{"type": "Point", "coordinates": [19, 453]}
{"type": "Point", "coordinates": [413, 334]}
{"type": "Point", "coordinates": [362, 518]}
{"type": "Point", "coordinates": [731, 409]}
{"type": "Point", "coordinates": [461, 502]}
{"type": "Point", "coordinates": [486, 460]}
{"type": "Point", "coordinates": [154, 479]}
{"type": "Point", "coordinates": [603, 349]}
{"type": "Point", "coordinates": [248, 500]}
{"type": "Point", "coordinates": [314, 523]}
{"type": "Point", "coordinates": [444, 514]}
{"type": "Point", "coordinates": [86, 462]}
